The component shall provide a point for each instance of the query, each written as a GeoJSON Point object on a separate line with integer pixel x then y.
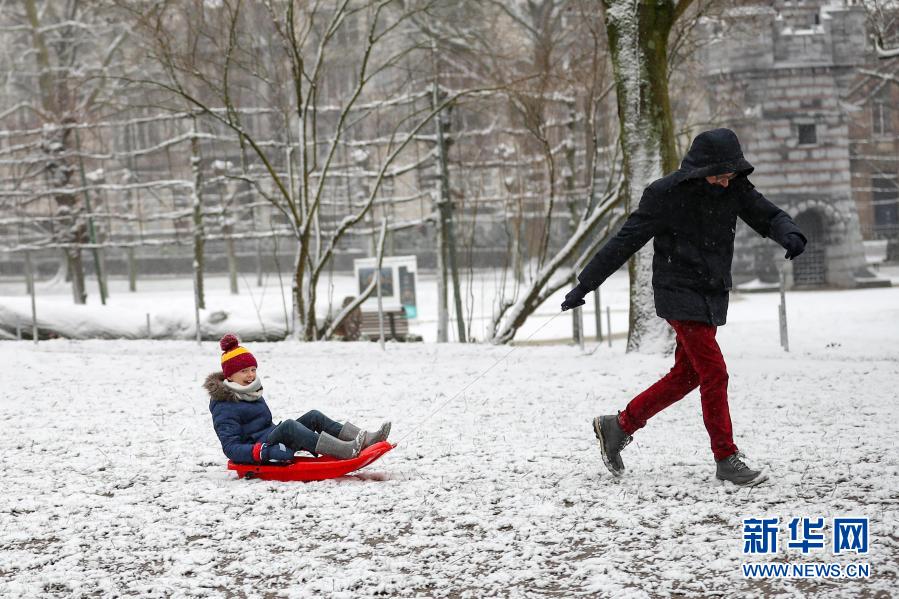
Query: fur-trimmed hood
{"type": "Point", "coordinates": [215, 386]}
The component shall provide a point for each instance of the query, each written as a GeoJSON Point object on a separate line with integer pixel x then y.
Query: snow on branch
{"type": "Point", "coordinates": [884, 52]}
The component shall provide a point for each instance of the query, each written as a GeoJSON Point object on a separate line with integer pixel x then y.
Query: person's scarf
{"type": "Point", "coordinates": [250, 392]}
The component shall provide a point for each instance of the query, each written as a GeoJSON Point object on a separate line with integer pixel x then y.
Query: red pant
{"type": "Point", "coordinates": [697, 363]}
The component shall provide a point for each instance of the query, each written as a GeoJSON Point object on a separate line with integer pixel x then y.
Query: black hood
{"type": "Point", "coordinates": [713, 153]}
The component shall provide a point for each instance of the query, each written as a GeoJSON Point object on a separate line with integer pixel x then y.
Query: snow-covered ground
{"type": "Point", "coordinates": [115, 483]}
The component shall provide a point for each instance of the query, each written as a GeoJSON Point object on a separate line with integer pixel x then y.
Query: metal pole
{"type": "Point", "coordinates": [782, 313]}
{"type": "Point", "coordinates": [28, 282]}
{"type": "Point", "coordinates": [609, 324]}
{"type": "Point", "coordinates": [197, 300]}
{"type": "Point", "coordinates": [597, 307]}
{"type": "Point", "coordinates": [580, 317]}
{"type": "Point", "coordinates": [577, 321]}
{"type": "Point", "coordinates": [378, 284]}
{"type": "Point", "coordinates": [30, 270]}
{"type": "Point", "coordinates": [149, 331]}
{"type": "Point", "coordinates": [442, 304]}
{"type": "Point", "coordinates": [380, 305]}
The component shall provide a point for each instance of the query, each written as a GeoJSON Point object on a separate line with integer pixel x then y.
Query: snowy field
{"type": "Point", "coordinates": [115, 483]}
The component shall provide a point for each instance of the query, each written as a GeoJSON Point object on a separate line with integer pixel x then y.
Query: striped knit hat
{"type": "Point", "coordinates": [234, 357]}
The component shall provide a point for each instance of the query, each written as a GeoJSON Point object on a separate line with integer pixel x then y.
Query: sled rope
{"type": "Point", "coordinates": [475, 380]}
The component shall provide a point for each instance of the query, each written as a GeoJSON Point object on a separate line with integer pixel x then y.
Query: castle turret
{"type": "Point", "coordinates": [776, 75]}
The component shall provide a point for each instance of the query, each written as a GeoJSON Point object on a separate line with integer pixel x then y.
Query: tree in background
{"type": "Point", "coordinates": [638, 32]}
{"type": "Point", "coordinates": [332, 68]}
{"type": "Point", "coordinates": [548, 60]}
{"type": "Point", "coordinates": [59, 86]}
{"type": "Point", "coordinates": [883, 20]}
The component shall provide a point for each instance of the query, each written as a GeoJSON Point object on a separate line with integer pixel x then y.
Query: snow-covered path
{"type": "Point", "coordinates": [115, 484]}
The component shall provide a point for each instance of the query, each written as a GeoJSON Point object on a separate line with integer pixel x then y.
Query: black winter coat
{"type": "Point", "coordinates": [693, 223]}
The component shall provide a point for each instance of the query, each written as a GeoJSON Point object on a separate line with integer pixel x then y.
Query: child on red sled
{"type": "Point", "coordinates": [244, 424]}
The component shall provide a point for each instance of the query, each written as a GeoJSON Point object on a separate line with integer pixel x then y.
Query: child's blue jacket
{"type": "Point", "coordinates": [241, 426]}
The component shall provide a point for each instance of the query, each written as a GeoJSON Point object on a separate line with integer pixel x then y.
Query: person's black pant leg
{"type": "Point", "coordinates": [294, 435]}
{"type": "Point", "coordinates": [315, 420]}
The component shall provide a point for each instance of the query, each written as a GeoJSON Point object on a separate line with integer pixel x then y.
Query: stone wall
{"type": "Point", "coordinates": [783, 92]}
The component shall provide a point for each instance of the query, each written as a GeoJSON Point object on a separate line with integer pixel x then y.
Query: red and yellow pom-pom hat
{"type": "Point", "coordinates": [234, 357]}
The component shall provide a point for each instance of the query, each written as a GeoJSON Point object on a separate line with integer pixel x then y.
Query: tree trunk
{"type": "Point", "coordinates": [76, 271]}
{"type": "Point", "coordinates": [305, 289]}
{"type": "Point", "coordinates": [442, 312]}
{"type": "Point", "coordinates": [442, 303]}
{"type": "Point", "coordinates": [199, 231]}
{"type": "Point", "coordinates": [577, 316]}
{"type": "Point", "coordinates": [232, 259]}
{"type": "Point", "coordinates": [92, 233]}
{"type": "Point", "coordinates": [258, 256]}
{"type": "Point", "coordinates": [73, 231]}
{"type": "Point", "coordinates": [447, 236]}
{"type": "Point", "coordinates": [55, 144]}
{"type": "Point", "coordinates": [638, 38]}
{"type": "Point", "coordinates": [311, 319]}
{"type": "Point", "coordinates": [296, 293]}
{"type": "Point", "coordinates": [132, 270]}
{"type": "Point", "coordinates": [132, 206]}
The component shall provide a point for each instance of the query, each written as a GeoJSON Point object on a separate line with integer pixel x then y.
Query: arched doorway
{"type": "Point", "coordinates": [810, 269]}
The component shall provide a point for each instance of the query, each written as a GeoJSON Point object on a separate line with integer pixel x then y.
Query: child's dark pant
{"type": "Point", "coordinates": [697, 363]}
{"type": "Point", "coordinates": [303, 432]}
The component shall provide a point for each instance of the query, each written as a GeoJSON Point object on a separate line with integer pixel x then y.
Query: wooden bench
{"type": "Point", "coordinates": [364, 325]}
{"type": "Point", "coordinates": [396, 326]}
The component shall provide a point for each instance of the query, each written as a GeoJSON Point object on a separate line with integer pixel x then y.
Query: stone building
{"type": "Point", "coordinates": [779, 73]}
{"type": "Point", "coordinates": [874, 151]}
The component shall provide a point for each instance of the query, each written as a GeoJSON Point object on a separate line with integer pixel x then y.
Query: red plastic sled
{"type": "Point", "coordinates": [320, 468]}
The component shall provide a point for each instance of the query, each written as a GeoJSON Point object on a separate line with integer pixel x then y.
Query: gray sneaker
{"type": "Point", "coordinates": [611, 441]}
{"type": "Point", "coordinates": [734, 469]}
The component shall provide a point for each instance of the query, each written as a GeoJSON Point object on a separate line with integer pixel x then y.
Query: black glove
{"type": "Point", "coordinates": [575, 297]}
{"type": "Point", "coordinates": [276, 453]}
{"type": "Point", "coordinates": [794, 244]}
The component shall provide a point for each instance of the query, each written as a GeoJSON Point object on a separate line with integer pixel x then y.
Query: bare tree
{"type": "Point", "coordinates": [330, 91]}
{"type": "Point", "coordinates": [549, 60]}
{"type": "Point", "coordinates": [570, 58]}
{"type": "Point", "coordinates": [883, 20]}
{"type": "Point", "coordinates": [60, 83]}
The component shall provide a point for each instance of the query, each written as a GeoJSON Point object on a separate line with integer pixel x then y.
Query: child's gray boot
{"type": "Point", "coordinates": [734, 469]}
{"type": "Point", "coordinates": [611, 441]}
{"type": "Point", "coordinates": [343, 450]}
{"type": "Point", "coordinates": [377, 436]}
{"type": "Point", "coordinates": [350, 430]}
